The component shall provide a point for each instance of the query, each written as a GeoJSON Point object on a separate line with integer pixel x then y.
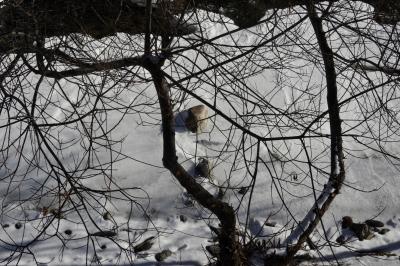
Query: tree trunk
{"type": "Point", "coordinates": [230, 248]}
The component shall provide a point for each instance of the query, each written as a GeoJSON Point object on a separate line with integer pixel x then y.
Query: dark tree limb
{"type": "Point", "coordinates": [230, 249]}
{"type": "Point", "coordinates": [337, 172]}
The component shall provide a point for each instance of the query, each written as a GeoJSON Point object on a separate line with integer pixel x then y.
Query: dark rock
{"type": "Point", "coordinates": [376, 230]}
{"type": "Point", "coordinates": [163, 255]}
{"type": "Point", "coordinates": [341, 239]}
{"type": "Point", "coordinates": [383, 231]}
{"type": "Point", "coordinates": [184, 246]}
{"type": "Point", "coordinates": [5, 225]}
{"type": "Point", "coordinates": [103, 246]}
{"type": "Point", "coordinates": [346, 222]}
{"type": "Point", "coordinates": [374, 223]}
{"type": "Point", "coordinates": [183, 218]}
{"type": "Point", "coordinates": [104, 234]}
{"type": "Point", "coordinates": [145, 245]}
{"type": "Point", "coordinates": [203, 168]}
{"type": "Point", "coordinates": [270, 224]}
{"type": "Point", "coordinates": [107, 216]}
{"type": "Point", "coordinates": [18, 225]}
{"type": "Point", "coordinates": [68, 232]}
{"type": "Point", "coordinates": [362, 231]}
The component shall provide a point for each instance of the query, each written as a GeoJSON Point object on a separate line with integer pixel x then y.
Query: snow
{"type": "Point", "coordinates": [165, 211]}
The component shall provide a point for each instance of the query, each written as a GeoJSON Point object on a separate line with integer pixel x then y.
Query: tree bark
{"type": "Point", "coordinates": [337, 172]}
{"type": "Point", "coordinates": [230, 249]}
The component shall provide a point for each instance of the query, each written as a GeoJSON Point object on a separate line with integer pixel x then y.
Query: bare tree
{"type": "Point", "coordinates": [295, 81]}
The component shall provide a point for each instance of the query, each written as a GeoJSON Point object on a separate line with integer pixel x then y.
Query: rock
{"type": "Point", "coordinates": [107, 216]}
{"type": "Point", "coordinates": [346, 222]}
{"type": "Point", "coordinates": [18, 225]}
{"type": "Point", "coordinates": [68, 232]}
{"type": "Point", "coordinates": [270, 224]}
{"type": "Point", "coordinates": [362, 231]}
{"type": "Point", "coordinates": [104, 234]}
{"type": "Point", "coordinates": [5, 225]}
{"type": "Point", "coordinates": [184, 246]}
{"type": "Point", "coordinates": [104, 246]}
{"type": "Point", "coordinates": [163, 255]}
{"type": "Point", "coordinates": [214, 250]}
{"type": "Point", "coordinates": [145, 245]}
{"type": "Point", "coordinates": [374, 223]}
{"type": "Point", "coordinates": [341, 239]}
{"type": "Point", "coordinates": [203, 168]}
{"type": "Point", "coordinates": [183, 218]}
{"type": "Point", "coordinates": [196, 121]}
{"type": "Point", "coordinates": [383, 231]}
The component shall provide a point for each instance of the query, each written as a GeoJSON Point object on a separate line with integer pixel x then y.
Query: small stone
{"type": "Point", "coordinates": [383, 231]}
{"type": "Point", "coordinates": [5, 225]}
{"type": "Point", "coordinates": [375, 229]}
{"type": "Point", "coordinates": [145, 245]}
{"type": "Point", "coordinates": [103, 246]}
{"type": "Point", "coordinates": [270, 224]}
{"type": "Point", "coordinates": [68, 232]}
{"type": "Point", "coordinates": [184, 246]}
{"type": "Point", "coordinates": [346, 222]}
{"type": "Point", "coordinates": [183, 218]}
{"type": "Point", "coordinates": [18, 225]}
{"type": "Point", "coordinates": [107, 216]}
{"type": "Point", "coordinates": [203, 168]}
{"type": "Point", "coordinates": [163, 255]}
{"type": "Point", "coordinates": [341, 239]}
{"type": "Point", "coordinates": [104, 234]}
{"type": "Point", "coordinates": [374, 223]}
{"type": "Point", "coordinates": [361, 230]}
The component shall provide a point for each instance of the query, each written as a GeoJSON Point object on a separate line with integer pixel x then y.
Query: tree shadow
{"type": "Point", "coordinates": [180, 121]}
{"type": "Point", "coordinates": [364, 252]}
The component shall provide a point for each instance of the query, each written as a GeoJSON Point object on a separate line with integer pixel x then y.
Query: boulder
{"type": "Point", "coordinates": [362, 231]}
{"type": "Point", "coordinates": [163, 255]}
{"type": "Point", "coordinates": [346, 222]}
{"type": "Point", "coordinates": [196, 121]}
{"type": "Point", "coordinates": [374, 223]}
{"type": "Point", "coordinates": [203, 168]}
{"type": "Point", "coordinates": [383, 231]}
{"type": "Point", "coordinates": [145, 245]}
